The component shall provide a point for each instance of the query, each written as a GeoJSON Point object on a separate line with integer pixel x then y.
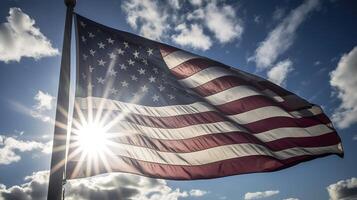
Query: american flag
{"type": "Point", "coordinates": [176, 115]}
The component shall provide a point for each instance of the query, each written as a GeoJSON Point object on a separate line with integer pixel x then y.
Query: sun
{"type": "Point", "coordinates": [92, 139]}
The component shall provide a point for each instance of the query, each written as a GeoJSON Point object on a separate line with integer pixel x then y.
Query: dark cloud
{"type": "Point", "coordinates": [343, 190]}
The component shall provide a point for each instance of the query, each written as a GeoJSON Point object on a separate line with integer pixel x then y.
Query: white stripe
{"type": "Point", "coordinates": [205, 76]}
{"type": "Point", "coordinates": [214, 154]}
{"type": "Point", "coordinates": [293, 132]}
{"type": "Point", "coordinates": [272, 111]}
{"type": "Point", "coordinates": [163, 111]}
{"type": "Point", "coordinates": [126, 128]}
{"type": "Point", "coordinates": [178, 57]}
{"type": "Point", "coordinates": [232, 94]}
{"type": "Point", "coordinates": [198, 107]}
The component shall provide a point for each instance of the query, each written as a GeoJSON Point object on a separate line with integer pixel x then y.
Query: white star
{"type": "Point", "coordinates": [84, 39]}
{"type": "Point", "coordinates": [123, 67]}
{"type": "Point", "coordinates": [124, 84]}
{"type": "Point", "coordinates": [91, 68]}
{"type": "Point", "coordinates": [131, 62]}
{"type": "Point", "coordinates": [85, 57]}
{"type": "Point", "coordinates": [92, 52]}
{"type": "Point", "coordinates": [141, 71]}
{"type": "Point", "coordinates": [120, 51]}
{"type": "Point", "coordinates": [126, 45]}
{"type": "Point", "coordinates": [150, 51]}
{"type": "Point", "coordinates": [171, 96]}
{"type": "Point", "coordinates": [161, 88]}
{"type": "Point", "coordinates": [84, 76]}
{"type": "Point", "coordinates": [144, 88]}
{"type": "Point", "coordinates": [91, 35]}
{"type": "Point", "coordinates": [136, 54]}
{"type": "Point", "coordinates": [100, 80]}
{"type": "Point", "coordinates": [101, 45]}
{"type": "Point", "coordinates": [152, 79]}
{"type": "Point", "coordinates": [112, 72]}
{"type": "Point", "coordinates": [113, 91]}
{"type": "Point", "coordinates": [145, 61]}
{"type": "Point", "coordinates": [112, 55]}
{"type": "Point", "coordinates": [101, 62]}
{"type": "Point", "coordinates": [134, 78]}
{"type": "Point", "coordinates": [83, 24]}
{"type": "Point", "coordinates": [110, 41]}
{"type": "Point", "coordinates": [155, 98]}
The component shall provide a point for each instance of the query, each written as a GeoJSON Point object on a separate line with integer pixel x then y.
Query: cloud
{"type": "Point", "coordinates": [44, 102]}
{"type": "Point", "coordinates": [20, 38]}
{"type": "Point", "coordinates": [278, 74]}
{"type": "Point", "coordinates": [344, 80]}
{"type": "Point", "coordinates": [259, 195]}
{"type": "Point", "coordinates": [354, 137]}
{"type": "Point", "coordinates": [282, 36]}
{"type": "Point", "coordinates": [257, 19]}
{"type": "Point", "coordinates": [168, 20]}
{"type": "Point", "coordinates": [11, 146]}
{"type": "Point", "coordinates": [147, 17]}
{"type": "Point", "coordinates": [109, 186]}
{"type": "Point", "coordinates": [223, 22]}
{"type": "Point", "coordinates": [343, 190]}
{"type": "Point", "coordinates": [196, 2]}
{"type": "Point", "coordinates": [278, 13]}
{"type": "Point", "coordinates": [198, 193]}
{"type": "Point", "coordinates": [291, 199]}
{"type": "Point", "coordinates": [192, 36]}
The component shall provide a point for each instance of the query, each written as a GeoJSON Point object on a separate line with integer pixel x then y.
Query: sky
{"type": "Point", "coordinates": [307, 47]}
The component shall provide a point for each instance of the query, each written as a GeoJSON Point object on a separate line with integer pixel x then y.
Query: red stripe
{"type": "Point", "coordinates": [193, 66]}
{"type": "Point", "coordinates": [284, 122]}
{"type": "Point", "coordinates": [215, 140]}
{"type": "Point", "coordinates": [181, 121]}
{"type": "Point", "coordinates": [243, 165]}
{"type": "Point", "coordinates": [166, 49]}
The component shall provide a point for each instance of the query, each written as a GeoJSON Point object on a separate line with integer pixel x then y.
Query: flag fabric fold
{"type": "Point", "coordinates": [173, 114]}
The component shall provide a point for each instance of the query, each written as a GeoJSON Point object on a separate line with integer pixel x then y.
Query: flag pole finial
{"type": "Point", "coordinates": [70, 3]}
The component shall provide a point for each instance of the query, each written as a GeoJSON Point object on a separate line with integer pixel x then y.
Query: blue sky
{"type": "Point", "coordinates": [308, 47]}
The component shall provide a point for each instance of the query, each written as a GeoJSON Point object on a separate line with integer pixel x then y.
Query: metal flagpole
{"type": "Point", "coordinates": [61, 123]}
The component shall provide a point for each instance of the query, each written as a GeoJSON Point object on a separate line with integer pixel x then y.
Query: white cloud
{"type": "Point", "coordinates": [147, 17]}
{"type": "Point", "coordinates": [196, 14]}
{"type": "Point", "coordinates": [198, 193]}
{"type": "Point", "coordinates": [175, 4]}
{"type": "Point", "coordinates": [223, 22]}
{"type": "Point", "coordinates": [281, 37]}
{"type": "Point", "coordinates": [257, 19]}
{"type": "Point", "coordinates": [344, 80]}
{"type": "Point", "coordinates": [196, 2]}
{"type": "Point", "coordinates": [278, 13]}
{"type": "Point", "coordinates": [20, 38]}
{"type": "Point", "coordinates": [109, 186]}
{"type": "Point", "coordinates": [259, 195]}
{"type": "Point", "coordinates": [278, 74]}
{"type": "Point", "coordinates": [11, 146]}
{"type": "Point", "coordinates": [192, 36]}
{"type": "Point", "coordinates": [44, 102]}
{"type": "Point", "coordinates": [343, 190]}
{"type": "Point", "coordinates": [354, 137]}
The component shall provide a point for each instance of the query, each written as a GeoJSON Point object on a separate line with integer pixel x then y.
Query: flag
{"type": "Point", "coordinates": [167, 113]}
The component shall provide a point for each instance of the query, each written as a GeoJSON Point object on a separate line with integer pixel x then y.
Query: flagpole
{"type": "Point", "coordinates": [56, 180]}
